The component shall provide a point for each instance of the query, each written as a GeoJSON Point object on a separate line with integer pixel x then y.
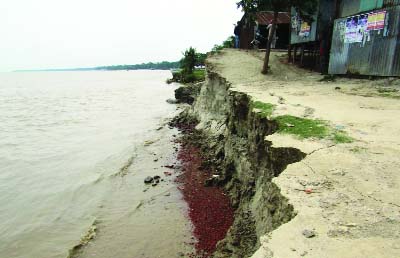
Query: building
{"type": "Point", "coordinates": [310, 39]}
{"type": "Point", "coordinates": [366, 38]}
{"type": "Point", "coordinates": [253, 32]}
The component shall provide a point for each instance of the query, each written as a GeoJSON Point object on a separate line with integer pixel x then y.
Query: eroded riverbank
{"type": "Point", "coordinates": [209, 207]}
{"type": "Point", "coordinates": [244, 164]}
{"type": "Point", "coordinates": [318, 196]}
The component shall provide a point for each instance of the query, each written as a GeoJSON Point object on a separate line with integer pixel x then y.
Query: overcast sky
{"type": "Point", "coordinates": [37, 34]}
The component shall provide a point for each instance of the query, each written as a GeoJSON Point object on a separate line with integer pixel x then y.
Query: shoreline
{"type": "Point", "coordinates": [136, 218]}
{"type": "Point", "coordinates": [289, 199]}
{"type": "Point", "coordinates": [209, 207]}
{"type": "Point", "coordinates": [230, 133]}
{"type": "Point", "coordinates": [141, 219]}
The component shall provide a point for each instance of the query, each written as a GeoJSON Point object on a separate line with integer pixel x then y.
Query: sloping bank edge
{"type": "Point", "coordinates": [246, 162]}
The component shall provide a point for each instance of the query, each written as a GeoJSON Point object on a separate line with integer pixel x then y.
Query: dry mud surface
{"type": "Point", "coordinates": [354, 208]}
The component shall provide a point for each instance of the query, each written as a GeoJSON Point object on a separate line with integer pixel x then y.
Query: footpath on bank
{"type": "Point", "coordinates": [346, 191]}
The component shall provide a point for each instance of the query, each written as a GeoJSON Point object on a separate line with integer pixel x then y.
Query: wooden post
{"type": "Point", "coordinates": [302, 55]}
{"type": "Point", "coordinates": [271, 35]}
{"type": "Point", "coordinates": [290, 36]}
{"type": "Point", "coordinates": [317, 56]}
{"type": "Point", "coordinates": [294, 54]}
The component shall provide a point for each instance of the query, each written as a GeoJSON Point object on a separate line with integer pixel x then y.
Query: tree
{"type": "Point", "coordinates": [304, 7]}
{"type": "Point", "coordinates": [191, 59]}
{"type": "Point", "coordinates": [188, 61]}
{"type": "Point", "coordinates": [200, 59]}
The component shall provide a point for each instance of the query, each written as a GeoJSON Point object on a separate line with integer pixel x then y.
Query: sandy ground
{"type": "Point", "coordinates": [354, 210]}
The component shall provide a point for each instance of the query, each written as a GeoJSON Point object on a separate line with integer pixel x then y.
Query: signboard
{"type": "Point", "coordinates": [357, 27]}
{"type": "Point", "coordinates": [362, 27]}
{"type": "Point", "coordinates": [351, 30]}
{"type": "Point", "coordinates": [376, 21]}
{"type": "Point", "coordinates": [371, 21]}
{"type": "Point", "coordinates": [305, 29]}
{"type": "Point", "coordinates": [380, 20]}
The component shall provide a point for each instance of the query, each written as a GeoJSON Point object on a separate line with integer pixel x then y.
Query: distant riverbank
{"type": "Point", "coordinates": [165, 65]}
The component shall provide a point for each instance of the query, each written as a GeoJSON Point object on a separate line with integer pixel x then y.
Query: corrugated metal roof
{"type": "Point", "coordinates": [265, 18]}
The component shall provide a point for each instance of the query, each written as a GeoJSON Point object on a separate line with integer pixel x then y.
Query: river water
{"type": "Point", "coordinates": [74, 150]}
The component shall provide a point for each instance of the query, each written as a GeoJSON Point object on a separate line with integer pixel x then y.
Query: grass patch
{"type": "Point", "coordinates": [389, 95]}
{"type": "Point", "coordinates": [358, 149]}
{"type": "Point", "coordinates": [387, 90]}
{"type": "Point", "coordinates": [341, 137]}
{"type": "Point", "coordinates": [302, 127]}
{"type": "Point", "coordinates": [199, 74]}
{"type": "Point", "coordinates": [266, 109]}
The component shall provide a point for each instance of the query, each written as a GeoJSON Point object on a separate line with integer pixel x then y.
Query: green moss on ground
{"type": "Point", "coordinates": [358, 149]}
{"type": "Point", "coordinates": [341, 137]}
{"type": "Point", "coordinates": [302, 127]}
{"type": "Point", "coordinates": [199, 74]}
{"type": "Point", "coordinates": [266, 109]}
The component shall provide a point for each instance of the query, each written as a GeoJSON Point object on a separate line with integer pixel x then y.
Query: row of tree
{"type": "Point", "coordinates": [144, 66]}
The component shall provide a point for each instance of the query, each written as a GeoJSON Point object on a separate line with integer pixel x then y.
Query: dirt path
{"type": "Point", "coordinates": [354, 207]}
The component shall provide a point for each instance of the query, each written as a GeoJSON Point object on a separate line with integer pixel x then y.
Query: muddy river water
{"type": "Point", "coordinates": [74, 150]}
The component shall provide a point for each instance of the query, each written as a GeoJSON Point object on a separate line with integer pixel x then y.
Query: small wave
{"type": "Point", "coordinates": [150, 142]}
{"type": "Point", "coordinates": [123, 171]}
{"type": "Point", "coordinates": [76, 250]}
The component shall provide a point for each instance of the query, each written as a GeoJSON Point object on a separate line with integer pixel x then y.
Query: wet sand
{"type": "Point", "coordinates": [210, 209]}
{"type": "Point", "coordinates": [140, 220]}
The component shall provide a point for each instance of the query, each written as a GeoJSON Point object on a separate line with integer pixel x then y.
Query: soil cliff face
{"type": "Point", "coordinates": [245, 163]}
{"type": "Point", "coordinates": [341, 199]}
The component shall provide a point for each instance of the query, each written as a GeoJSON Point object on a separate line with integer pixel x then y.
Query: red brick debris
{"type": "Point", "coordinates": [209, 207]}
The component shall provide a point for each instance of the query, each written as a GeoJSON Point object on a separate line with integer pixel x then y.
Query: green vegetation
{"type": "Point", "coordinates": [188, 71]}
{"type": "Point", "coordinates": [266, 109]}
{"type": "Point", "coordinates": [189, 61]}
{"type": "Point", "coordinates": [199, 74]}
{"type": "Point", "coordinates": [148, 66]}
{"type": "Point", "coordinates": [387, 90]}
{"type": "Point", "coordinates": [302, 127]}
{"type": "Point", "coordinates": [228, 43]}
{"type": "Point", "coordinates": [358, 149]}
{"type": "Point", "coordinates": [201, 59]}
{"type": "Point", "coordinates": [341, 137]}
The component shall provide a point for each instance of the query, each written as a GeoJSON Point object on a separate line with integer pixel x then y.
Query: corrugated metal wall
{"type": "Point", "coordinates": [378, 56]}
{"type": "Point", "coordinates": [350, 7]}
{"type": "Point", "coordinates": [387, 3]}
